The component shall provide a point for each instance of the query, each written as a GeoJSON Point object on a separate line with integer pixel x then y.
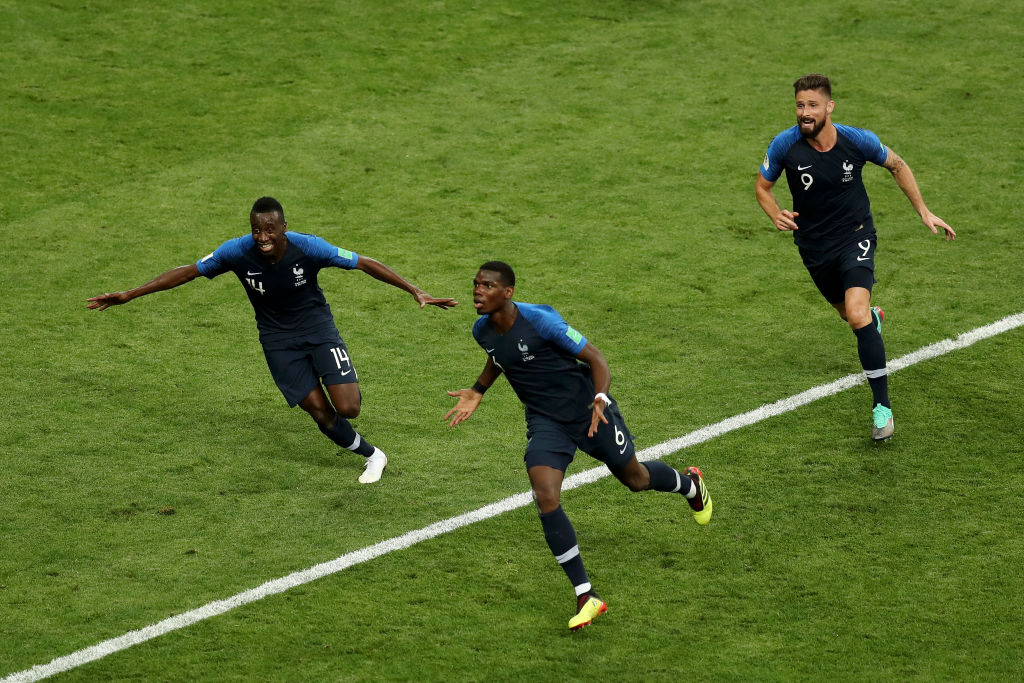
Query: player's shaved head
{"type": "Point", "coordinates": [267, 205]}
{"type": "Point", "coordinates": [814, 82]}
{"type": "Point", "coordinates": [508, 276]}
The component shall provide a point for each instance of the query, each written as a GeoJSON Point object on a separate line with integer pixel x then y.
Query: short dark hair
{"type": "Point", "coordinates": [508, 276]}
{"type": "Point", "coordinates": [267, 205]}
{"type": "Point", "coordinates": [814, 82]}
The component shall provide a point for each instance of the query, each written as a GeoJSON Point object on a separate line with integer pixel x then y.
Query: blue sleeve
{"type": "Point", "coordinates": [222, 259]}
{"type": "Point", "coordinates": [867, 142]}
{"type": "Point", "coordinates": [322, 251]}
{"type": "Point", "coordinates": [550, 325]}
{"type": "Point", "coordinates": [479, 325]}
{"type": "Point", "coordinates": [775, 158]}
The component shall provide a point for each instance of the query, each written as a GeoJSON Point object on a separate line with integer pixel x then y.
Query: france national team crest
{"type": "Point", "coordinates": [300, 278]}
{"type": "Point", "coordinates": [525, 350]}
{"type": "Point", "coordinates": [847, 171]}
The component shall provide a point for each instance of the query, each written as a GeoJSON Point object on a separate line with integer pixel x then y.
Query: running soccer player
{"type": "Point", "coordinates": [832, 222]}
{"type": "Point", "coordinates": [567, 407]}
{"type": "Point", "coordinates": [300, 340]}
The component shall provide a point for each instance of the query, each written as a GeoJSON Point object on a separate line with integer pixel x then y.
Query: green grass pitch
{"type": "Point", "coordinates": [608, 150]}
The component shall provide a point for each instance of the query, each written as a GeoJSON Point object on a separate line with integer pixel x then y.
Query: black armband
{"type": "Point", "coordinates": [480, 388]}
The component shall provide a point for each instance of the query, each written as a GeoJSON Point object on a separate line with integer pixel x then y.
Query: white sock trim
{"type": "Point", "coordinates": [679, 482]}
{"type": "Point", "coordinates": [355, 444]}
{"type": "Point", "coordinates": [583, 588]}
{"type": "Point", "coordinates": [568, 554]}
{"type": "Point", "coordinates": [875, 374]}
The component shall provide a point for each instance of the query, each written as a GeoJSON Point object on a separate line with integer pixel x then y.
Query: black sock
{"type": "Point", "coordinates": [342, 433]}
{"type": "Point", "coordinates": [561, 538]}
{"type": "Point", "coordinates": [871, 350]}
{"type": "Point", "coordinates": [665, 478]}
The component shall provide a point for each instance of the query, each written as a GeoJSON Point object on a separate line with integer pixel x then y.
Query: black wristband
{"type": "Point", "coordinates": [479, 388]}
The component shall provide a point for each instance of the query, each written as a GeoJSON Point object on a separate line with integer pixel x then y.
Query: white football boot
{"type": "Point", "coordinates": [374, 467]}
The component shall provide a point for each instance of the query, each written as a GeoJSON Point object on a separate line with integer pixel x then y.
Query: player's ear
{"type": "Point", "coordinates": [830, 106]}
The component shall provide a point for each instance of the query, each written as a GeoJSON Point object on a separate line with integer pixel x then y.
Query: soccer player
{"type": "Point", "coordinates": [832, 223]}
{"type": "Point", "coordinates": [303, 348]}
{"type": "Point", "coordinates": [562, 380]}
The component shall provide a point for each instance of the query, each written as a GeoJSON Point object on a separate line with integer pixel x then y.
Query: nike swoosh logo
{"type": "Point", "coordinates": [804, 168]}
{"type": "Point", "coordinates": [345, 373]}
{"type": "Point", "coordinates": [256, 273]}
{"type": "Point", "coordinates": [489, 350]}
{"type": "Point", "coordinates": [863, 258]}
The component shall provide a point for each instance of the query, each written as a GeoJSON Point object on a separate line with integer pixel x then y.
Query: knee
{"type": "Point", "coordinates": [547, 500]}
{"type": "Point", "coordinates": [858, 317]}
{"type": "Point", "coordinates": [348, 410]}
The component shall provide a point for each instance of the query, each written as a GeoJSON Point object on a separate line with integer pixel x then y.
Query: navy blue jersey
{"type": "Point", "coordinates": [827, 188]}
{"type": "Point", "coordinates": [538, 356]}
{"type": "Point", "coordinates": [285, 295]}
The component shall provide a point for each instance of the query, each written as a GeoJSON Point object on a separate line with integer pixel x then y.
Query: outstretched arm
{"type": "Point", "coordinates": [469, 399]}
{"type": "Point", "coordinates": [172, 278]}
{"type": "Point", "coordinates": [378, 270]}
{"type": "Point", "coordinates": [602, 382]}
{"type": "Point", "coordinates": [782, 218]}
{"type": "Point", "coordinates": [904, 177]}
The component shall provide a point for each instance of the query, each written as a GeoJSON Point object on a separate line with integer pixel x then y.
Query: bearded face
{"type": "Point", "coordinates": [813, 109]}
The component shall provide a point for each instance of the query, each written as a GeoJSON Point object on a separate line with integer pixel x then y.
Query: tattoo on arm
{"type": "Point", "coordinates": [897, 165]}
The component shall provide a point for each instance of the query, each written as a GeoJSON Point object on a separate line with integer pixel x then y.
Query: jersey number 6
{"type": "Point", "coordinates": [620, 439]}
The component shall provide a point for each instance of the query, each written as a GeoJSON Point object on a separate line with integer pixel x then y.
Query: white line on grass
{"type": "Point", "coordinates": [100, 650]}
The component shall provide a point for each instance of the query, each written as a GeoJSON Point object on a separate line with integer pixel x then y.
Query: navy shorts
{"type": "Point", "coordinates": [300, 365]}
{"type": "Point", "coordinates": [851, 265]}
{"type": "Point", "coordinates": [554, 443]}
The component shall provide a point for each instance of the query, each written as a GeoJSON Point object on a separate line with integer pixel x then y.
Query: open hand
{"type": "Point", "coordinates": [105, 301]}
{"type": "Point", "coordinates": [468, 402]}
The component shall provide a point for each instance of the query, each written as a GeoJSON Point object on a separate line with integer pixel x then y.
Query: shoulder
{"type": "Point", "coordinates": [539, 314]}
{"type": "Point", "coordinates": [225, 257]}
{"type": "Point", "coordinates": [305, 241]}
{"type": "Point", "coordinates": [784, 140]}
{"type": "Point", "coordinates": [480, 325]}
{"type": "Point", "coordinates": [551, 326]}
{"type": "Point", "coordinates": [864, 140]}
{"type": "Point", "coordinates": [778, 148]}
{"type": "Point", "coordinates": [317, 247]}
{"type": "Point", "coordinates": [230, 250]}
{"type": "Point", "coordinates": [238, 244]}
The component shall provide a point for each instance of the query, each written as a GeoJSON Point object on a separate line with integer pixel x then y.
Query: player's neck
{"type": "Point", "coordinates": [826, 139]}
{"type": "Point", "coordinates": [503, 319]}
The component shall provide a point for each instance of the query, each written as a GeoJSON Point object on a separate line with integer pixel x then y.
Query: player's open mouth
{"type": "Point", "coordinates": [265, 246]}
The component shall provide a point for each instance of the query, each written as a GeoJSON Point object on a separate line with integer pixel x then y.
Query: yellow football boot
{"type": "Point", "coordinates": [590, 608]}
{"type": "Point", "coordinates": [701, 503]}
